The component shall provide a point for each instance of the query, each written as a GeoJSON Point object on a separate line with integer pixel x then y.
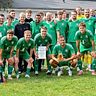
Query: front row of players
{"type": "Point", "coordinates": [63, 54]}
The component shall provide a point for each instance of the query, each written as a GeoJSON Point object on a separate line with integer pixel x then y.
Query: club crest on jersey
{"type": "Point", "coordinates": [86, 36]}
{"type": "Point", "coordinates": [50, 26]}
{"type": "Point", "coordinates": [62, 24]}
{"type": "Point", "coordinates": [12, 42]}
{"type": "Point", "coordinates": [29, 44]}
{"type": "Point", "coordinates": [66, 50]}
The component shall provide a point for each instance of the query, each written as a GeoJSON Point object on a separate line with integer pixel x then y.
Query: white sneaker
{"type": "Point", "coordinates": [59, 73]}
{"type": "Point", "coordinates": [18, 76]}
{"type": "Point", "coordinates": [3, 74]}
{"type": "Point", "coordinates": [53, 71]}
{"type": "Point", "coordinates": [27, 76]}
{"type": "Point", "coordinates": [48, 72]}
{"type": "Point", "coordinates": [69, 72]}
{"type": "Point", "coordinates": [36, 72]}
{"type": "Point", "coordinates": [10, 77]}
{"type": "Point", "coordinates": [78, 69]}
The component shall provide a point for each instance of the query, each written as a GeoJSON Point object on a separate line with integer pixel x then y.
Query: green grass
{"type": "Point", "coordinates": [44, 85]}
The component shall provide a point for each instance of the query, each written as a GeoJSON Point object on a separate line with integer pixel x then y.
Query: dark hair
{"type": "Point", "coordinates": [11, 11]}
{"type": "Point", "coordinates": [2, 15]}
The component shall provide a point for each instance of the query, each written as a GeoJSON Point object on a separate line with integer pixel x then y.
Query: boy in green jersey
{"type": "Point", "coordinates": [73, 28]}
{"type": "Point", "coordinates": [7, 52]}
{"type": "Point", "coordinates": [8, 23]}
{"type": "Point", "coordinates": [51, 28]}
{"type": "Point", "coordinates": [85, 45]}
{"type": "Point", "coordinates": [2, 27]}
{"type": "Point", "coordinates": [61, 26]}
{"type": "Point", "coordinates": [22, 47]}
{"type": "Point", "coordinates": [62, 53]}
{"type": "Point", "coordinates": [42, 40]}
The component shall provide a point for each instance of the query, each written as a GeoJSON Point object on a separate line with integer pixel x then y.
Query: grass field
{"type": "Point", "coordinates": [44, 85]}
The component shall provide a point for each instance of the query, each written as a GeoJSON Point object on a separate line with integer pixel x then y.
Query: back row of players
{"type": "Point", "coordinates": [60, 35]}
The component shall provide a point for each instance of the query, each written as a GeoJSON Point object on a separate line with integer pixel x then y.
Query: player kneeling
{"type": "Point", "coordinates": [22, 47]}
{"type": "Point", "coordinates": [63, 55]}
{"type": "Point", "coordinates": [7, 45]}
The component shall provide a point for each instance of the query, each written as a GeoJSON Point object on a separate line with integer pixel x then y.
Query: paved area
{"type": "Point", "coordinates": [69, 4]}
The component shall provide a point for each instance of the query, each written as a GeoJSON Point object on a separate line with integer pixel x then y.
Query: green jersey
{"type": "Point", "coordinates": [73, 28]}
{"type": "Point", "coordinates": [85, 40]}
{"type": "Point", "coordinates": [2, 31]}
{"type": "Point", "coordinates": [51, 30]}
{"type": "Point", "coordinates": [23, 46]}
{"type": "Point", "coordinates": [15, 22]}
{"type": "Point", "coordinates": [35, 28]}
{"type": "Point", "coordinates": [11, 27]}
{"type": "Point", "coordinates": [67, 51]}
{"type": "Point", "coordinates": [90, 23]}
{"type": "Point", "coordinates": [39, 41]}
{"type": "Point", "coordinates": [62, 27]}
{"type": "Point", "coordinates": [7, 45]}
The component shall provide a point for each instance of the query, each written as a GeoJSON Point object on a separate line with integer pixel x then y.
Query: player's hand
{"type": "Point", "coordinates": [16, 60]}
{"type": "Point", "coordinates": [36, 55]}
{"type": "Point", "coordinates": [93, 54]}
{"type": "Point", "coordinates": [31, 60]}
{"type": "Point", "coordinates": [1, 62]}
{"type": "Point", "coordinates": [10, 60]}
{"type": "Point", "coordinates": [78, 54]}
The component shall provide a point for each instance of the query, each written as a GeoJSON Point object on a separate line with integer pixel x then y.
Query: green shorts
{"type": "Point", "coordinates": [7, 55]}
{"type": "Point", "coordinates": [24, 55]}
{"type": "Point", "coordinates": [83, 49]}
{"type": "Point", "coordinates": [63, 63]}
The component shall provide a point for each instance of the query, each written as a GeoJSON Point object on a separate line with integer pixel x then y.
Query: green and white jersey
{"type": "Point", "coordinates": [39, 41]}
{"type": "Point", "coordinates": [2, 31]}
{"type": "Point", "coordinates": [73, 28]}
{"type": "Point", "coordinates": [11, 27]}
{"type": "Point", "coordinates": [85, 39]}
{"type": "Point", "coordinates": [7, 45]}
{"type": "Point", "coordinates": [15, 22]}
{"type": "Point", "coordinates": [35, 28]}
{"type": "Point", "coordinates": [51, 30]}
{"type": "Point", "coordinates": [90, 23]}
{"type": "Point", "coordinates": [62, 27]}
{"type": "Point", "coordinates": [23, 46]}
{"type": "Point", "coordinates": [67, 51]}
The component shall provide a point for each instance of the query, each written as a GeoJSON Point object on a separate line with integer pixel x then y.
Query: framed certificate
{"type": "Point", "coordinates": [42, 52]}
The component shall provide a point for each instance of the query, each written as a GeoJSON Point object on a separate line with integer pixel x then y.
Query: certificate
{"type": "Point", "coordinates": [42, 52]}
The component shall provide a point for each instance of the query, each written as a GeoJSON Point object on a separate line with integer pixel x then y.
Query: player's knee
{"type": "Point", "coordinates": [10, 61]}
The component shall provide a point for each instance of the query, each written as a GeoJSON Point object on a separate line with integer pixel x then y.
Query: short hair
{"type": "Point", "coordinates": [22, 14]}
{"type": "Point", "coordinates": [59, 12]}
{"type": "Point", "coordinates": [2, 15]}
{"type": "Point", "coordinates": [49, 13]}
{"type": "Point", "coordinates": [11, 11]}
{"type": "Point", "coordinates": [10, 32]}
{"type": "Point", "coordinates": [74, 11]}
{"type": "Point", "coordinates": [28, 11]}
{"type": "Point", "coordinates": [38, 14]}
{"type": "Point", "coordinates": [41, 13]}
{"type": "Point", "coordinates": [82, 24]}
{"type": "Point", "coordinates": [9, 16]}
{"type": "Point", "coordinates": [27, 31]}
{"type": "Point", "coordinates": [43, 27]}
